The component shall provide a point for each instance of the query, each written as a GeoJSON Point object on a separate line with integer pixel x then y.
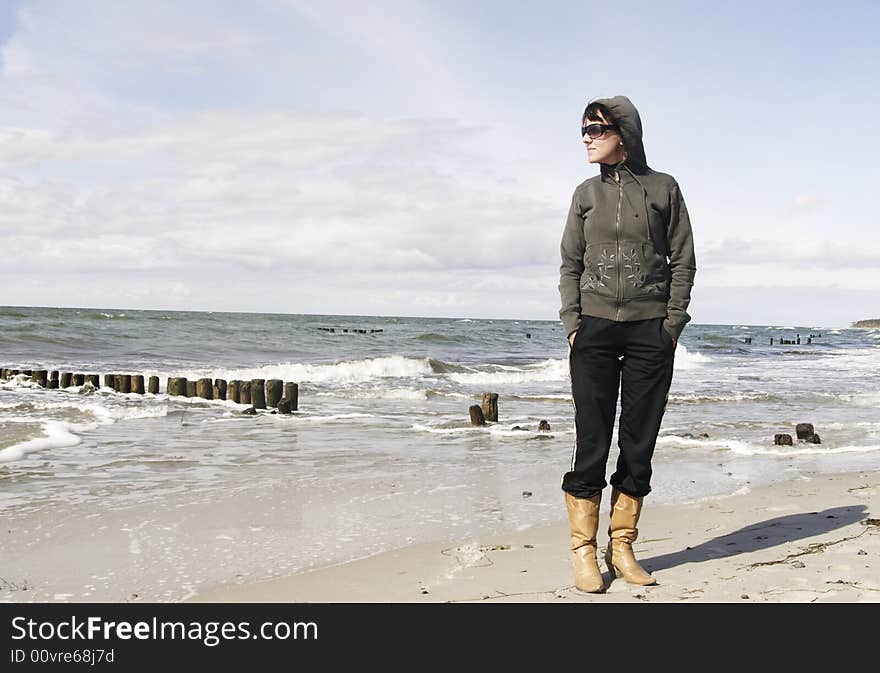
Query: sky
{"type": "Point", "coordinates": [416, 158]}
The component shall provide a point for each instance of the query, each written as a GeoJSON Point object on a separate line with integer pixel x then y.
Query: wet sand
{"type": "Point", "coordinates": [814, 539]}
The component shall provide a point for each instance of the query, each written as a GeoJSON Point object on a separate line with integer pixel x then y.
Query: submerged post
{"type": "Point", "coordinates": [476, 415]}
{"type": "Point", "coordinates": [258, 393]}
{"type": "Point", "coordinates": [244, 392]}
{"type": "Point", "coordinates": [490, 407]}
{"type": "Point", "coordinates": [291, 394]}
{"type": "Point", "coordinates": [220, 389]}
{"type": "Point", "coordinates": [274, 390]}
{"type": "Point", "coordinates": [205, 389]}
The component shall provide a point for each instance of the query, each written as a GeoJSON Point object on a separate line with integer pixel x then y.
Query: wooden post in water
{"type": "Point", "coordinates": [65, 379]}
{"type": "Point", "coordinates": [476, 415]}
{"type": "Point", "coordinates": [283, 406]}
{"type": "Point", "coordinates": [137, 384]}
{"type": "Point", "coordinates": [220, 389]}
{"type": "Point", "coordinates": [291, 394]}
{"type": "Point", "coordinates": [177, 386]}
{"type": "Point", "coordinates": [205, 389]}
{"type": "Point", "coordinates": [153, 385]}
{"type": "Point", "coordinates": [244, 393]}
{"type": "Point", "coordinates": [53, 375]}
{"type": "Point", "coordinates": [258, 393]}
{"type": "Point", "coordinates": [191, 388]}
{"type": "Point", "coordinates": [274, 391]}
{"type": "Point", "coordinates": [233, 390]}
{"type": "Point", "coordinates": [94, 379]}
{"type": "Point", "coordinates": [110, 381]}
{"type": "Point", "coordinates": [490, 407]}
{"type": "Point", "coordinates": [40, 377]}
{"type": "Point", "coordinates": [123, 383]}
{"type": "Point", "coordinates": [79, 379]}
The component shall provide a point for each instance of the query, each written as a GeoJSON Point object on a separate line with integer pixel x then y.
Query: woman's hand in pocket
{"type": "Point", "coordinates": [571, 338]}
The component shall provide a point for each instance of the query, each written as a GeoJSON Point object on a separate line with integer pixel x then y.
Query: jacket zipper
{"type": "Point", "coordinates": [617, 235]}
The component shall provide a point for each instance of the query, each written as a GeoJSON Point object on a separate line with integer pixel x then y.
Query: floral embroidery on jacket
{"type": "Point", "coordinates": [602, 266]}
{"type": "Point", "coordinates": [632, 263]}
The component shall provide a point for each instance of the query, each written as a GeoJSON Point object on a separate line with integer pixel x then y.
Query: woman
{"type": "Point", "coordinates": [625, 282]}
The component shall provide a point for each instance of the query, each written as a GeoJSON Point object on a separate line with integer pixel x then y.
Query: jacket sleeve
{"type": "Point", "coordinates": [682, 264]}
{"type": "Point", "coordinates": [572, 251]}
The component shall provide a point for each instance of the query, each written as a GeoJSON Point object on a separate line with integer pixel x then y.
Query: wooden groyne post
{"type": "Point", "coordinates": [258, 393]}
{"type": "Point", "coordinates": [291, 394]}
{"type": "Point", "coordinates": [490, 407]}
{"type": "Point", "coordinates": [274, 392]}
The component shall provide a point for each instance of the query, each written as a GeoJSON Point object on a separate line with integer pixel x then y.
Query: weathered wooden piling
{"type": "Point", "coordinates": [490, 407]}
{"type": "Point", "coordinates": [40, 377]}
{"type": "Point", "coordinates": [544, 426]}
{"type": "Point", "coordinates": [137, 384]}
{"type": "Point", "coordinates": [291, 394]}
{"type": "Point", "coordinates": [258, 393]}
{"type": "Point", "coordinates": [244, 392]}
{"type": "Point", "coordinates": [79, 379]}
{"type": "Point", "coordinates": [804, 430]}
{"type": "Point", "coordinates": [283, 406]}
{"type": "Point", "coordinates": [53, 384]}
{"type": "Point", "coordinates": [94, 379]}
{"type": "Point", "coordinates": [110, 381]}
{"type": "Point", "coordinates": [232, 390]}
{"type": "Point", "coordinates": [27, 372]}
{"type": "Point", "coordinates": [205, 389]}
{"type": "Point", "coordinates": [177, 386]}
{"type": "Point", "coordinates": [191, 388]}
{"type": "Point", "coordinates": [153, 385]}
{"type": "Point", "coordinates": [65, 379]}
{"type": "Point", "coordinates": [220, 388]}
{"type": "Point", "coordinates": [274, 392]}
{"type": "Point", "coordinates": [476, 415]}
{"type": "Point", "coordinates": [122, 383]}
{"type": "Point", "coordinates": [53, 374]}
{"type": "Point", "coordinates": [782, 439]}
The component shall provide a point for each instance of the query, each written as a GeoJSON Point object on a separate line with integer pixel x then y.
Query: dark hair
{"type": "Point", "coordinates": [592, 111]}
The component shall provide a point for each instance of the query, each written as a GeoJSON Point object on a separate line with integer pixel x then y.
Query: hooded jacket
{"type": "Point", "coordinates": [627, 248]}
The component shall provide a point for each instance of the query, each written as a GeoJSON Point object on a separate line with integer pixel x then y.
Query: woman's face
{"type": "Point", "coordinates": [606, 149]}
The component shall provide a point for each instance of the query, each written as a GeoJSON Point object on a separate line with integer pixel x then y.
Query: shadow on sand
{"type": "Point", "coordinates": [761, 535]}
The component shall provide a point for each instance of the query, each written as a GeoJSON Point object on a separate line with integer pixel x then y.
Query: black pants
{"type": "Point", "coordinates": [637, 358]}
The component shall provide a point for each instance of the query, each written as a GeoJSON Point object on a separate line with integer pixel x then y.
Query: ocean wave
{"type": "Point", "coordinates": [547, 370]}
{"type": "Point", "coordinates": [55, 435]}
{"type": "Point", "coordinates": [378, 394]}
{"type": "Point", "coordinates": [698, 398]}
{"type": "Point", "coordinates": [344, 371]}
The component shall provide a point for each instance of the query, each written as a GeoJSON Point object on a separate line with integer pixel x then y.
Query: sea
{"type": "Point", "coordinates": [115, 497]}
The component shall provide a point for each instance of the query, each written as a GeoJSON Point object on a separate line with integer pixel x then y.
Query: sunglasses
{"type": "Point", "coordinates": [595, 131]}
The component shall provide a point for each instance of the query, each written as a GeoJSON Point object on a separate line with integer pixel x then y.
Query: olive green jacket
{"type": "Point", "coordinates": [627, 248]}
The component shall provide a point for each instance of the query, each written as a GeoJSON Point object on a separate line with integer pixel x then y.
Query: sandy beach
{"type": "Point", "coordinates": [814, 539]}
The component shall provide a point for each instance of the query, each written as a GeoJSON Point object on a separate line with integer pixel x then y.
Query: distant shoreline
{"type": "Point", "coordinates": [872, 322]}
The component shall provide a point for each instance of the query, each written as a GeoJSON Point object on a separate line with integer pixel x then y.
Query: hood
{"type": "Point", "coordinates": [625, 115]}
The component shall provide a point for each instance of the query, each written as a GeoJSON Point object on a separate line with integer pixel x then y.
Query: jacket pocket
{"type": "Point", "coordinates": [644, 272]}
{"type": "Point", "coordinates": [600, 269]}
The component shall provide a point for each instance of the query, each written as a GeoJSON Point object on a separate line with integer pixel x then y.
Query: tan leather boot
{"type": "Point", "coordinates": [583, 520]}
{"type": "Point", "coordinates": [623, 531]}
